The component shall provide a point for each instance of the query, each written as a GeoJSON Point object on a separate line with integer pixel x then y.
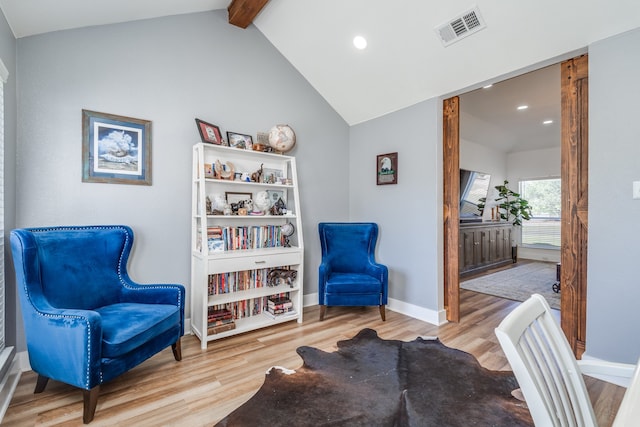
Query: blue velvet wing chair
{"type": "Point", "coordinates": [348, 274]}
{"type": "Point", "coordinates": [85, 320]}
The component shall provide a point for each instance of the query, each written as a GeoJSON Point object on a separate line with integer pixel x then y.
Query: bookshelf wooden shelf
{"type": "Point", "coordinates": [235, 258]}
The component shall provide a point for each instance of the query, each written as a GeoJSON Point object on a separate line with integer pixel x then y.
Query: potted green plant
{"type": "Point", "coordinates": [511, 207]}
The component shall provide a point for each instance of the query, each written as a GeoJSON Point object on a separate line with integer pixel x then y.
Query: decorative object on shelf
{"type": "Point", "coordinates": [224, 172]}
{"type": "Point", "coordinates": [257, 175]}
{"type": "Point", "coordinates": [209, 133]}
{"type": "Point", "coordinates": [262, 140]}
{"type": "Point", "coordinates": [282, 138]}
{"type": "Point", "coordinates": [208, 170]}
{"type": "Point", "coordinates": [278, 208]}
{"type": "Point", "coordinates": [209, 208]}
{"type": "Point", "coordinates": [287, 231]}
{"type": "Point", "coordinates": [271, 176]}
{"type": "Point", "coordinates": [115, 149]}
{"type": "Point", "coordinates": [278, 276]}
{"type": "Point", "coordinates": [274, 195]}
{"type": "Point", "coordinates": [237, 201]}
{"type": "Point", "coordinates": [218, 203]}
{"type": "Point", "coordinates": [511, 207]}
{"type": "Point", "coordinates": [239, 140]}
{"type": "Point", "coordinates": [387, 169]}
{"type": "Point", "coordinates": [262, 202]}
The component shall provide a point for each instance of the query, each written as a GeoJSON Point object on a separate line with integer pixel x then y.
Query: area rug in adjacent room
{"type": "Point", "coordinates": [519, 282]}
{"type": "Point", "coordinates": [374, 382]}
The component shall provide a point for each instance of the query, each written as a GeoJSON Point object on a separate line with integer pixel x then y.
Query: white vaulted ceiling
{"type": "Point", "coordinates": [405, 61]}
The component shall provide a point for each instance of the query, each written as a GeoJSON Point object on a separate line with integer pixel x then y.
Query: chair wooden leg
{"type": "Point", "coordinates": [177, 350]}
{"type": "Point", "coordinates": [90, 398]}
{"type": "Point", "coordinates": [383, 313]}
{"type": "Point", "coordinates": [323, 309]}
{"type": "Point", "coordinates": [41, 383]}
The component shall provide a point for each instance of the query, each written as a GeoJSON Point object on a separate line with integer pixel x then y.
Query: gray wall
{"type": "Point", "coordinates": [167, 70]}
{"type": "Point", "coordinates": [614, 153]}
{"type": "Point", "coordinates": [409, 213]}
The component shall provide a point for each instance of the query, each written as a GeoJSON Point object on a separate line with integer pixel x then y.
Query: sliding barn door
{"type": "Point", "coordinates": [575, 188]}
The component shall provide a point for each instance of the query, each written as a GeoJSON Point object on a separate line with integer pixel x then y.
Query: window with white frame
{"type": "Point", "coordinates": [544, 197]}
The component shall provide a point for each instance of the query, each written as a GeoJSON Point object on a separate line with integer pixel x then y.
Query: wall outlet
{"type": "Point", "coordinates": [636, 189]}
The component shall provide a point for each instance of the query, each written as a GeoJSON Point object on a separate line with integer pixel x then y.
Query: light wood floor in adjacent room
{"type": "Point", "coordinates": [207, 385]}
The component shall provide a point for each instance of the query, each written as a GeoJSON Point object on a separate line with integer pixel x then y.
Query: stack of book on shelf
{"type": "Point", "coordinates": [219, 320]}
{"type": "Point", "coordinates": [279, 306]}
{"type": "Point", "coordinates": [214, 239]}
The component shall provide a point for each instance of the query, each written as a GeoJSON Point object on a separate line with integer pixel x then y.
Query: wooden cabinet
{"type": "Point", "coordinates": [483, 246]}
{"type": "Point", "coordinates": [242, 262]}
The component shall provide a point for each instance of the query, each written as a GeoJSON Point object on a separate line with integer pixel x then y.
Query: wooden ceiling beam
{"type": "Point", "coordinates": [243, 12]}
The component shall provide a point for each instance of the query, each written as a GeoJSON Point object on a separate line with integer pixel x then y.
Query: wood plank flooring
{"type": "Point", "coordinates": [207, 385]}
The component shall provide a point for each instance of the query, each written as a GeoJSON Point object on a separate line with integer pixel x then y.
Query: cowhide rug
{"type": "Point", "coordinates": [374, 382]}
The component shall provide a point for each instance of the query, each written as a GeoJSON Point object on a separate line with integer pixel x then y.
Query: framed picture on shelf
{"type": "Point", "coordinates": [239, 140]}
{"type": "Point", "coordinates": [209, 133]}
{"type": "Point", "coordinates": [387, 169]}
{"type": "Point", "coordinates": [274, 195]}
{"type": "Point", "coordinates": [115, 149]}
{"type": "Point", "coordinates": [237, 197]}
{"type": "Point", "coordinates": [271, 176]}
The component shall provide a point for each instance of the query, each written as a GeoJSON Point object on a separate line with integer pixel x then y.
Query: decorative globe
{"type": "Point", "coordinates": [282, 138]}
{"type": "Point", "coordinates": [287, 229]}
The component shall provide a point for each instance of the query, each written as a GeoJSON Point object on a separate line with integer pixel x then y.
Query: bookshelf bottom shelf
{"type": "Point", "coordinates": [258, 321]}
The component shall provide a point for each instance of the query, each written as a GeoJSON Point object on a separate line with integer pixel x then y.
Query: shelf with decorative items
{"type": "Point", "coordinates": [247, 246]}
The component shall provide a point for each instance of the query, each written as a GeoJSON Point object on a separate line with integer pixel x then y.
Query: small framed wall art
{"type": "Point", "coordinates": [209, 133]}
{"type": "Point", "coordinates": [239, 140]}
{"type": "Point", "coordinates": [115, 149]}
{"type": "Point", "coordinates": [387, 168]}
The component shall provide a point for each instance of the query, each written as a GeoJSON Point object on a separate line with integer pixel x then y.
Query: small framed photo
{"type": "Point", "coordinates": [115, 149]}
{"type": "Point", "coordinates": [271, 176]}
{"type": "Point", "coordinates": [275, 195]}
{"type": "Point", "coordinates": [237, 197]}
{"type": "Point", "coordinates": [209, 133]}
{"type": "Point", "coordinates": [387, 169]}
{"type": "Point", "coordinates": [239, 140]}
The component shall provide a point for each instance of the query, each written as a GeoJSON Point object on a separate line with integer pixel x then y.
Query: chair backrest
{"type": "Point", "coordinates": [545, 367]}
{"type": "Point", "coordinates": [348, 246]}
{"type": "Point", "coordinates": [71, 267]}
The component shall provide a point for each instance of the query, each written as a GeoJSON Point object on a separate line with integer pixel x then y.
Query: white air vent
{"type": "Point", "coordinates": [461, 26]}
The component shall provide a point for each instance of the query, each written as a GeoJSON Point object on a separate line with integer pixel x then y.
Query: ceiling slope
{"type": "Point", "coordinates": [405, 61]}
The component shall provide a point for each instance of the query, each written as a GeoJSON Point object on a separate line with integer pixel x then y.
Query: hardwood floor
{"type": "Point", "coordinates": [207, 385]}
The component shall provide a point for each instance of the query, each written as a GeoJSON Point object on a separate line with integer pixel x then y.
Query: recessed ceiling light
{"type": "Point", "coordinates": [359, 42]}
{"type": "Point", "coordinates": [486, 87]}
{"type": "Point", "coordinates": [523, 107]}
{"type": "Point", "coordinates": [547, 122]}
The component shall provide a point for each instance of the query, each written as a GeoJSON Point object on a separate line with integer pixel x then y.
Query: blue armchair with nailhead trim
{"type": "Point", "coordinates": [86, 322]}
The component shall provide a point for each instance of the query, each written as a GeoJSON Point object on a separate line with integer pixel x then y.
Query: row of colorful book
{"type": "Point", "coordinates": [219, 320]}
{"type": "Point", "coordinates": [224, 283]}
{"type": "Point", "coordinates": [221, 316]}
{"type": "Point", "coordinates": [244, 237]}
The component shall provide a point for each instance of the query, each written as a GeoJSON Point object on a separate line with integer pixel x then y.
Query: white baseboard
{"type": "Point", "coordinates": [621, 381]}
{"type": "Point", "coordinates": [426, 315]}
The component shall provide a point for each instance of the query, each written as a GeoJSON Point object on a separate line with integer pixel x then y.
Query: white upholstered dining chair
{"type": "Point", "coordinates": [549, 375]}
